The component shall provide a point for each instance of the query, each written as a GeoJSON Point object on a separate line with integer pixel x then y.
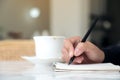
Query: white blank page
{"type": "Point", "coordinates": [59, 66]}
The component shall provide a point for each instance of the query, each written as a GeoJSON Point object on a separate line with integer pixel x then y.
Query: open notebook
{"type": "Point", "coordinates": [59, 66]}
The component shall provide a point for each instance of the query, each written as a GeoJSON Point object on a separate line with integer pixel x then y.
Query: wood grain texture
{"type": "Point", "coordinates": [14, 49]}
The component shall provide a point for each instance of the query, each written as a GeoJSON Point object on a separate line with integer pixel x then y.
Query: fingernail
{"type": "Point", "coordinates": [79, 61]}
{"type": "Point", "coordinates": [77, 52]}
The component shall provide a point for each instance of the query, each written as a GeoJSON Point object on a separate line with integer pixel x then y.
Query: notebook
{"type": "Point", "coordinates": [59, 66]}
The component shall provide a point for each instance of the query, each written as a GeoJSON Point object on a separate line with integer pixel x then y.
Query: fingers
{"type": "Point", "coordinates": [67, 50]}
{"type": "Point", "coordinates": [69, 44]}
{"type": "Point", "coordinates": [74, 39]}
{"type": "Point", "coordinates": [69, 47]}
{"type": "Point", "coordinates": [85, 52]}
{"type": "Point", "coordinates": [80, 49]}
{"type": "Point", "coordinates": [78, 60]}
{"type": "Point", "coordinates": [92, 54]}
{"type": "Point", "coordinates": [65, 56]}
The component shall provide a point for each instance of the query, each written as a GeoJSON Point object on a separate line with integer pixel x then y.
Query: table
{"type": "Point", "coordinates": [43, 70]}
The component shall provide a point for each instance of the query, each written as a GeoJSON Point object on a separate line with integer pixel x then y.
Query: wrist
{"type": "Point", "coordinates": [103, 57]}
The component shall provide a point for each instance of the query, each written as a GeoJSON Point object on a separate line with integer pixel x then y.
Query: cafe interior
{"type": "Point", "coordinates": [21, 20]}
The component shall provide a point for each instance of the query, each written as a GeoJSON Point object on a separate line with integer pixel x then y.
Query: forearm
{"type": "Point", "coordinates": [112, 54]}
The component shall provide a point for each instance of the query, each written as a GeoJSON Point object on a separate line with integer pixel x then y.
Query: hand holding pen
{"type": "Point", "coordinates": [77, 50]}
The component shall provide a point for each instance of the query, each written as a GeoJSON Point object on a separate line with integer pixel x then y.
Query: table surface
{"type": "Point", "coordinates": [43, 70]}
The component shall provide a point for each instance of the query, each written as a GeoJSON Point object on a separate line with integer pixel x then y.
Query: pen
{"type": "Point", "coordinates": [84, 38]}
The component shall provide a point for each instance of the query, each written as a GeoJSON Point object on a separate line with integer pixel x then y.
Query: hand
{"type": "Point", "coordinates": [84, 52]}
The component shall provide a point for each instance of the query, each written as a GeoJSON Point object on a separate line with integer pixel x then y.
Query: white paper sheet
{"type": "Point", "coordinates": [59, 66]}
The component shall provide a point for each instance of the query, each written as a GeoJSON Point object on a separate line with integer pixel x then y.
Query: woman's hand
{"type": "Point", "coordinates": [85, 52]}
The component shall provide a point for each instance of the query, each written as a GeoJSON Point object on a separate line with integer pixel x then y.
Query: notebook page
{"type": "Point", "coordinates": [59, 66]}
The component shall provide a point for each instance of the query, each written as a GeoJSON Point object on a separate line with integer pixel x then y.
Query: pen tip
{"type": "Point", "coordinates": [69, 62]}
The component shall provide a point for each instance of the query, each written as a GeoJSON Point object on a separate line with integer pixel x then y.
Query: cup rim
{"type": "Point", "coordinates": [49, 37]}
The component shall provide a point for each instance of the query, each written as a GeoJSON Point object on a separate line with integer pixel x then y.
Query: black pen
{"type": "Point", "coordinates": [85, 37]}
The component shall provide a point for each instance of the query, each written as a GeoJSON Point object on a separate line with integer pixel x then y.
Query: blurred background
{"type": "Point", "coordinates": [23, 19]}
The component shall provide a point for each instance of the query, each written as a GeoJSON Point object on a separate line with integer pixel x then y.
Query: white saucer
{"type": "Point", "coordinates": [35, 59]}
{"type": "Point", "coordinates": [32, 59]}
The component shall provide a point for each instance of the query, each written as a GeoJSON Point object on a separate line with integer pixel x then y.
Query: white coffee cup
{"type": "Point", "coordinates": [47, 47]}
